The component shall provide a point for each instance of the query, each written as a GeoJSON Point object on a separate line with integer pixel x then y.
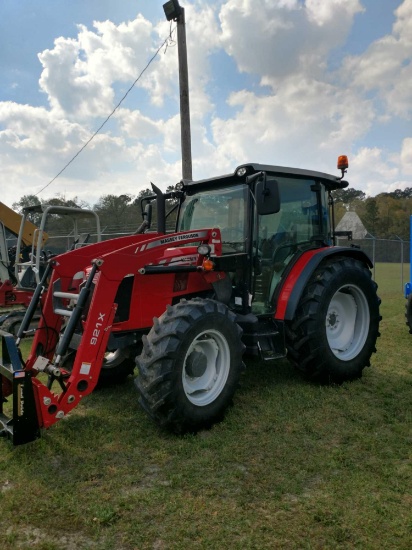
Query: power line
{"type": "Point", "coordinates": [166, 42]}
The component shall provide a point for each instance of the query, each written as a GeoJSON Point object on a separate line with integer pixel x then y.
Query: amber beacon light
{"type": "Point", "coordinates": [343, 164]}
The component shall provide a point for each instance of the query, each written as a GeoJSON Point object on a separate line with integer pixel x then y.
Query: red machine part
{"type": "Point", "coordinates": [10, 296]}
{"type": "Point", "coordinates": [291, 281]}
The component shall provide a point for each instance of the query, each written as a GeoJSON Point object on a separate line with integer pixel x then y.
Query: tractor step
{"type": "Point", "coordinates": [263, 337]}
{"type": "Point", "coordinates": [58, 306]}
{"type": "Point", "coordinates": [63, 312]}
{"type": "Point", "coordinates": [271, 346]}
{"type": "Point", "coordinates": [22, 426]}
{"type": "Point", "coordinates": [69, 295]}
{"type": "Point", "coordinates": [76, 310]}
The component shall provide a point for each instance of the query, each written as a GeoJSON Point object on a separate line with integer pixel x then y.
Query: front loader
{"type": "Point", "coordinates": [251, 268]}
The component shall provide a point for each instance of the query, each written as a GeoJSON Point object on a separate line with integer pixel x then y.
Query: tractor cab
{"type": "Point", "coordinates": [268, 214]}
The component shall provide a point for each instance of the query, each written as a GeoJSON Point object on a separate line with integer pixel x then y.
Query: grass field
{"type": "Point", "coordinates": [293, 466]}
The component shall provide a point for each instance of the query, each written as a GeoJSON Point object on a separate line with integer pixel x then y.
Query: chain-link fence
{"type": "Point", "coordinates": [380, 251]}
{"type": "Point", "coordinates": [383, 251]}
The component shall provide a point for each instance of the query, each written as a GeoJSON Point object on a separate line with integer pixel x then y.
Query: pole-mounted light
{"type": "Point", "coordinates": [172, 10]}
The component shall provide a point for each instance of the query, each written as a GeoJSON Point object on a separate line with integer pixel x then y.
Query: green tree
{"type": "Point", "coordinates": [24, 202]}
{"type": "Point", "coordinates": [348, 195]}
{"type": "Point", "coordinates": [114, 211]}
{"type": "Point", "coordinates": [371, 215]}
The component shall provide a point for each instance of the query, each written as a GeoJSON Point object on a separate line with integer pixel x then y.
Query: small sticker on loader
{"type": "Point", "coordinates": [20, 401]}
{"type": "Point", "coordinates": [41, 363]}
{"type": "Point", "coordinates": [19, 374]}
{"type": "Point", "coordinates": [85, 368]}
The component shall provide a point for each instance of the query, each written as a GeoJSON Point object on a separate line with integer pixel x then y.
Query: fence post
{"type": "Point", "coordinates": [401, 240]}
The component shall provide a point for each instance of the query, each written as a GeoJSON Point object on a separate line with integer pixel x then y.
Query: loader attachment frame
{"type": "Point", "coordinates": [23, 426]}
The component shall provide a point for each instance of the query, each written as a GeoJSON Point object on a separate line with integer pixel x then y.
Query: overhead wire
{"type": "Point", "coordinates": [167, 42]}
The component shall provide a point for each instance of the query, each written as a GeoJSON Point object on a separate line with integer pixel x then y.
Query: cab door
{"type": "Point", "coordinates": [302, 218]}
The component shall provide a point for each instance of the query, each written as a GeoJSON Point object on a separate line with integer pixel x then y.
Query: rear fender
{"type": "Point", "coordinates": [302, 270]}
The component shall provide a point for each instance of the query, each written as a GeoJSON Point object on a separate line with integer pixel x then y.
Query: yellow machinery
{"type": "Point", "coordinates": [11, 220]}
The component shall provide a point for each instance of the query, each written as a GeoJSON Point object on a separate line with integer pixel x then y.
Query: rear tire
{"type": "Point", "coordinates": [190, 365]}
{"type": "Point", "coordinates": [336, 322]}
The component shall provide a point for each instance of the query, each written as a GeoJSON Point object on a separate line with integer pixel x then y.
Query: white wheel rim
{"type": "Point", "coordinates": [112, 359]}
{"type": "Point", "coordinates": [211, 349]}
{"type": "Point", "coordinates": [347, 322]}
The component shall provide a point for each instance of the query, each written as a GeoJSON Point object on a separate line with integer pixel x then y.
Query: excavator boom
{"type": "Point", "coordinates": [11, 220]}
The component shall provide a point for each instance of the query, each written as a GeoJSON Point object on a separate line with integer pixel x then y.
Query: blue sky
{"type": "Point", "coordinates": [284, 82]}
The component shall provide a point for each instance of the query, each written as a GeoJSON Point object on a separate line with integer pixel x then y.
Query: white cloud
{"type": "Point", "coordinates": [312, 114]}
{"type": "Point", "coordinates": [371, 172]}
{"type": "Point", "coordinates": [78, 73]}
{"type": "Point", "coordinates": [328, 13]}
{"type": "Point", "coordinates": [35, 129]}
{"type": "Point", "coordinates": [307, 123]}
{"type": "Point", "coordinates": [36, 145]}
{"type": "Point", "coordinates": [277, 38]}
{"type": "Point", "coordinates": [70, 89]}
{"type": "Point", "coordinates": [406, 157]}
{"type": "Point", "coordinates": [386, 65]}
{"type": "Point", "coordinates": [307, 118]}
{"type": "Point", "coordinates": [137, 126]}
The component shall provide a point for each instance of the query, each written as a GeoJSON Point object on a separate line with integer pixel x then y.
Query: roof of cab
{"type": "Point", "coordinates": [331, 182]}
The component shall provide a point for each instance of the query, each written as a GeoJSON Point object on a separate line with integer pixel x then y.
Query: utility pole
{"type": "Point", "coordinates": [174, 11]}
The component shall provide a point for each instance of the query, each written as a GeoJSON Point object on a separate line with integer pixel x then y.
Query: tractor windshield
{"type": "Point", "coordinates": [225, 208]}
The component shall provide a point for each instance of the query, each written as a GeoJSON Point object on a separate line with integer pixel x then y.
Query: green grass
{"type": "Point", "coordinates": [294, 465]}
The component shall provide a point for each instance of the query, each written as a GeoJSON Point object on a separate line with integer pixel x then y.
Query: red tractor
{"type": "Point", "coordinates": [252, 267]}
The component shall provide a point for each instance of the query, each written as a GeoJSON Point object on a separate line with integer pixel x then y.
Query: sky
{"type": "Point", "coordinates": [283, 82]}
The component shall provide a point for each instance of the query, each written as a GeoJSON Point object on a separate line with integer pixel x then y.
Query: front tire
{"type": "Point", "coordinates": [336, 323]}
{"type": "Point", "coordinates": [190, 365]}
{"type": "Point", "coordinates": [116, 367]}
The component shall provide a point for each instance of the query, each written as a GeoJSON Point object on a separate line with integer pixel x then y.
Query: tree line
{"type": "Point", "coordinates": [117, 213]}
{"type": "Point", "coordinates": [384, 216]}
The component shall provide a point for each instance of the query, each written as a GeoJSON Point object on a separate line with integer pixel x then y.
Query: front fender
{"type": "Point", "coordinates": [302, 270]}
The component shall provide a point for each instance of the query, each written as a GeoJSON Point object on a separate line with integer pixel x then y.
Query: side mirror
{"type": "Point", "coordinates": [267, 196]}
{"type": "Point", "coordinates": [147, 219]}
{"type": "Point", "coordinates": [147, 215]}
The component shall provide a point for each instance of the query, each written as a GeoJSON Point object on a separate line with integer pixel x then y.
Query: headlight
{"type": "Point", "coordinates": [204, 249]}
